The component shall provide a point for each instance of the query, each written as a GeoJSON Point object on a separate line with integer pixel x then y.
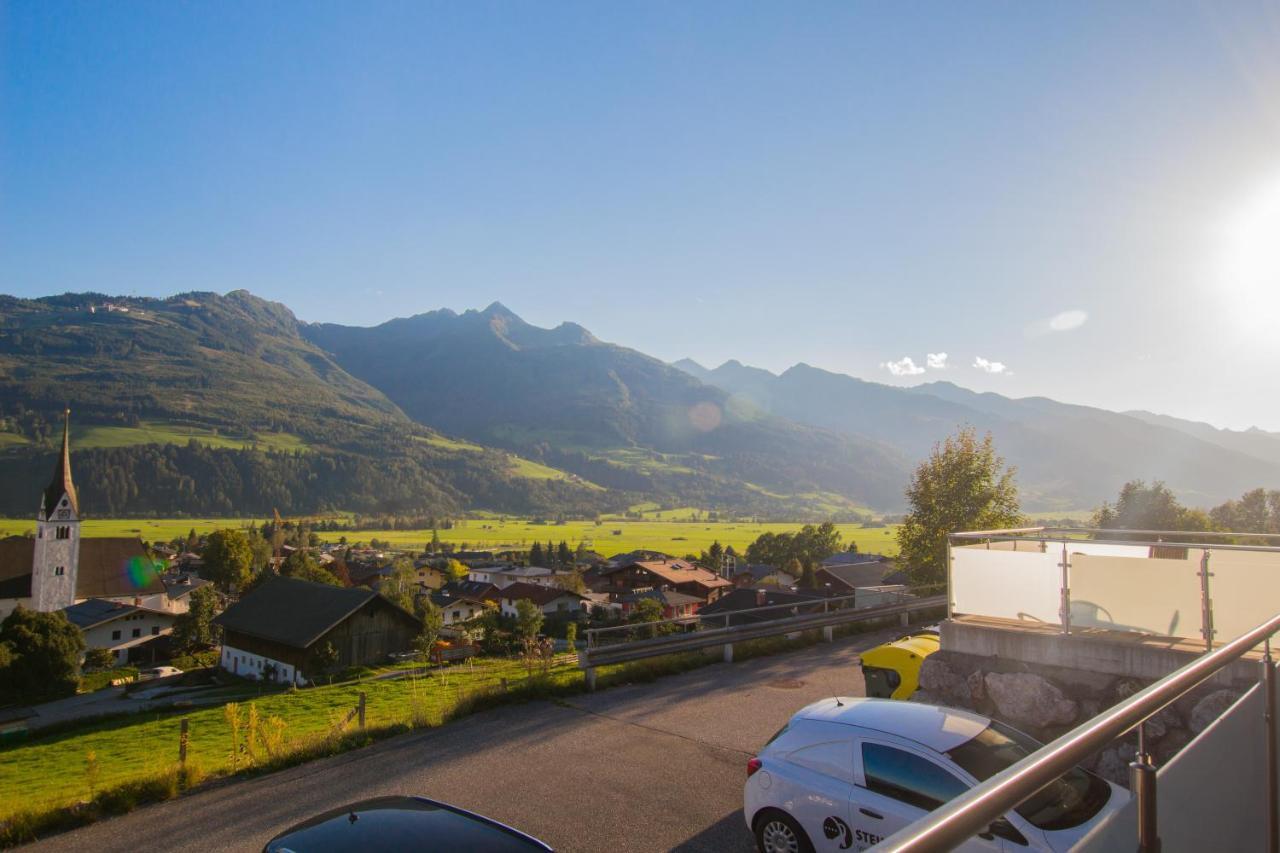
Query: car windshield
{"type": "Point", "coordinates": [1068, 801]}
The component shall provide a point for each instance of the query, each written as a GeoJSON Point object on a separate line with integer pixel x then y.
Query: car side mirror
{"type": "Point", "coordinates": [1003, 829]}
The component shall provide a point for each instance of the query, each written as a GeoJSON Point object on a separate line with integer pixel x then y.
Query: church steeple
{"type": "Point", "coordinates": [61, 484]}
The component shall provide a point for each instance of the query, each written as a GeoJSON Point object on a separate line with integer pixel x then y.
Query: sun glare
{"type": "Point", "coordinates": [1250, 270]}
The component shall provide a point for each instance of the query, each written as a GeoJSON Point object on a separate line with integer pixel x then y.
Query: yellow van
{"type": "Point", "coordinates": [892, 670]}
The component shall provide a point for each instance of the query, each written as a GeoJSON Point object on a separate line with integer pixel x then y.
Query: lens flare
{"type": "Point", "coordinates": [141, 571]}
{"type": "Point", "coordinates": [705, 416]}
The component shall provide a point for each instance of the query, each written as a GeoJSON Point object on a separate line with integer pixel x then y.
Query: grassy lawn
{"type": "Point", "coordinates": [8, 439]}
{"type": "Point", "coordinates": [50, 771]}
{"type": "Point", "coordinates": [661, 534]}
{"type": "Point", "coordinates": [158, 432]}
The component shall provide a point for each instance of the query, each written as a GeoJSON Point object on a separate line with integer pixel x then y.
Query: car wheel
{"type": "Point", "coordinates": [777, 832]}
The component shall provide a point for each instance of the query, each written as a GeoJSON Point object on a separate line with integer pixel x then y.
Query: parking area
{"type": "Point", "coordinates": [643, 767]}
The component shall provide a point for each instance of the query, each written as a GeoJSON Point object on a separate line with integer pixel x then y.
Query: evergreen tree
{"type": "Point", "coordinates": [43, 651]}
{"type": "Point", "coordinates": [535, 554]}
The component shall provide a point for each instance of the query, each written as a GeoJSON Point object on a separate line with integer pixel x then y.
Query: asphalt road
{"type": "Point", "coordinates": [642, 767]}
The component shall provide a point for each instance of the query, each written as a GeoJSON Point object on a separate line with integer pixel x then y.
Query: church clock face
{"type": "Point", "coordinates": [64, 513]}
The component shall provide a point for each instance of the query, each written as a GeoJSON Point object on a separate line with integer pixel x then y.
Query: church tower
{"type": "Point", "coordinates": [57, 547]}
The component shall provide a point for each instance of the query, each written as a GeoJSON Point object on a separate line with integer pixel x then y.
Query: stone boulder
{"type": "Point", "coordinates": [1028, 700]}
{"type": "Point", "coordinates": [1110, 766]}
{"type": "Point", "coordinates": [1211, 708]}
{"type": "Point", "coordinates": [939, 678]}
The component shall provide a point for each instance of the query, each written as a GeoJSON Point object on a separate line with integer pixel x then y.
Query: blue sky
{"type": "Point", "coordinates": [842, 184]}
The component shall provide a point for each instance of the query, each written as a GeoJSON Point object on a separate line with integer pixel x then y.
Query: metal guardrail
{"type": "Point", "coordinates": [693, 641]}
{"type": "Point", "coordinates": [973, 811]}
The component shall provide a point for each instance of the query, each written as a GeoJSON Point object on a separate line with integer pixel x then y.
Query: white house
{"type": "Point", "coordinates": [117, 626]}
{"type": "Point", "coordinates": [550, 600]}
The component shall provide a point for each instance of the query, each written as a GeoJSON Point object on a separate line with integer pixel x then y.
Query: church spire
{"type": "Point", "coordinates": [61, 483]}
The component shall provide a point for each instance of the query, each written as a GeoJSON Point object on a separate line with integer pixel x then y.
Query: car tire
{"type": "Point", "coordinates": [778, 832]}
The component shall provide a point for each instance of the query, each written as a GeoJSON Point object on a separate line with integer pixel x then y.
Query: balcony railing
{"type": "Point", "coordinates": [1154, 582]}
{"type": "Point", "coordinates": [1218, 793]}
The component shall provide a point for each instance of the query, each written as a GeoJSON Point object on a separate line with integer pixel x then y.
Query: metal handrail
{"type": "Point", "coordinates": [1068, 535]}
{"type": "Point", "coordinates": [973, 811]}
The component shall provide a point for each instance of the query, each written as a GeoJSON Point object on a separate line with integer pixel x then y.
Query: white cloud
{"type": "Point", "coordinates": [936, 360]}
{"type": "Point", "coordinates": [904, 367]}
{"type": "Point", "coordinates": [1068, 320]}
{"type": "Point", "coordinates": [990, 366]}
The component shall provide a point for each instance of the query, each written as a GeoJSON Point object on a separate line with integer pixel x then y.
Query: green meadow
{"type": "Point", "coordinates": [609, 536]}
{"type": "Point", "coordinates": [164, 432]}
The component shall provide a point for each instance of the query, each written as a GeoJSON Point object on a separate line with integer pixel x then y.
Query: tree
{"type": "Point", "coordinates": [963, 485]}
{"type": "Point", "coordinates": [1143, 507]}
{"type": "Point", "coordinates": [323, 660]}
{"type": "Point", "coordinates": [528, 620]}
{"type": "Point", "coordinates": [194, 630]}
{"type": "Point", "coordinates": [646, 612]}
{"type": "Point", "coordinates": [98, 659]}
{"type": "Point", "coordinates": [1257, 511]}
{"type": "Point", "coordinates": [435, 542]}
{"type": "Point", "coordinates": [713, 557]}
{"type": "Point", "coordinates": [302, 566]}
{"type": "Point", "coordinates": [571, 635]}
{"type": "Point", "coordinates": [432, 621]}
{"type": "Point", "coordinates": [794, 568]}
{"type": "Point", "coordinates": [564, 556]}
{"type": "Point", "coordinates": [535, 555]}
{"type": "Point", "coordinates": [401, 585]}
{"type": "Point", "coordinates": [571, 582]}
{"type": "Point", "coordinates": [227, 558]}
{"type": "Point", "coordinates": [812, 543]}
{"type": "Point", "coordinates": [808, 578]}
{"type": "Point", "coordinates": [456, 570]}
{"type": "Point", "coordinates": [44, 651]}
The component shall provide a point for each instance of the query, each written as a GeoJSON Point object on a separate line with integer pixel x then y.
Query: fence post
{"type": "Point", "coordinates": [728, 652]}
{"type": "Point", "coordinates": [1065, 612]}
{"type": "Point", "coordinates": [360, 709]}
{"type": "Point", "coordinates": [1142, 781]}
{"type": "Point", "coordinates": [1269, 719]}
{"type": "Point", "coordinates": [183, 736]}
{"type": "Point", "coordinates": [829, 633]}
{"type": "Point", "coordinates": [591, 679]}
{"type": "Point", "coordinates": [1206, 603]}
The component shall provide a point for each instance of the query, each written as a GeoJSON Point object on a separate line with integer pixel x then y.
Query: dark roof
{"type": "Point", "coordinates": [110, 567]}
{"type": "Point", "coordinates": [61, 483]}
{"type": "Point", "coordinates": [539, 595]}
{"type": "Point", "coordinates": [114, 566]}
{"type": "Point", "coordinates": [467, 589]}
{"type": "Point", "coordinates": [747, 598]}
{"type": "Point", "coordinates": [296, 612]}
{"type": "Point", "coordinates": [856, 575]}
{"type": "Point", "coordinates": [95, 611]}
{"type": "Point", "coordinates": [850, 558]}
{"type": "Point", "coordinates": [668, 597]}
{"type": "Point", "coordinates": [16, 553]}
{"type": "Point", "coordinates": [758, 570]}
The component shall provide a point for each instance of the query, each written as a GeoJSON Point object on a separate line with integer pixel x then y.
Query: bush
{"type": "Point", "coordinates": [99, 659]}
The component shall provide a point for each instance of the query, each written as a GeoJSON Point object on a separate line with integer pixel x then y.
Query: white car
{"type": "Point", "coordinates": [847, 773]}
{"type": "Point", "coordinates": [158, 672]}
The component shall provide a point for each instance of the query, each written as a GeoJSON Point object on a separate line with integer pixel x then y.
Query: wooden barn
{"type": "Point", "coordinates": [281, 630]}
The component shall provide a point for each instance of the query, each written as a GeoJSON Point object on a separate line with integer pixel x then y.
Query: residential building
{"type": "Point", "coordinates": [505, 575]}
{"type": "Point", "coordinates": [756, 574]}
{"type": "Point", "coordinates": [131, 633]}
{"type": "Point", "coordinates": [844, 578]}
{"type": "Point", "coordinates": [736, 606]}
{"type": "Point", "coordinates": [274, 632]}
{"type": "Point", "coordinates": [675, 605]}
{"type": "Point", "coordinates": [675, 574]}
{"type": "Point", "coordinates": [550, 600]}
{"type": "Point", "coordinates": [457, 604]}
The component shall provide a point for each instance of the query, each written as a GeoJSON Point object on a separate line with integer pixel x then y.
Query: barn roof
{"type": "Point", "coordinates": [295, 612]}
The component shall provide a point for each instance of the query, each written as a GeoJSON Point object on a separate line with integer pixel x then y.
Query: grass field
{"type": "Point", "coordinates": [152, 432]}
{"type": "Point", "coordinates": [50, 771]}
{"type": "Point", "coordinates": [521, 467]}
{"type": "Point", "coordinates": [608, 537]}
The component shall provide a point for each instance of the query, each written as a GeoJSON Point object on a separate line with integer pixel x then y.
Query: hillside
{"type": "Point", "coordinates": [611, 414]}
{"type": "Point", "coordinates": [1067, 456]}
{"type": "Point", "coordinates": [203, 403]}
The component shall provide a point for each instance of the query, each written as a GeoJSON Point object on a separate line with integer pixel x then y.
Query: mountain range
{"type": "Point", "coordinates": [208, 403]}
